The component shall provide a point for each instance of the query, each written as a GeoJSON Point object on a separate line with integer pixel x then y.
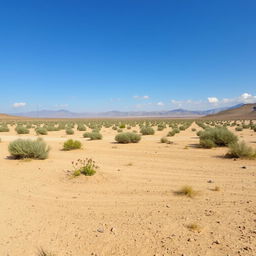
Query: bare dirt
{"type": "Point", "coordinates": [129, 207]}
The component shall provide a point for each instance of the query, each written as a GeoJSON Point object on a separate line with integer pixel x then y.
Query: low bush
{"type": "Point", "coordinates": [146, 130]}
{"type": "Point", "coordinates": [217, 137]}
{"type": "Point", "coordinates": [86, 167]}
{"type": "Point", "coordinates": [241, 150]}
{"type": "Point", "coordinates": [71, 144]}
{"type": "Point", "coordinates": [26, 148]}
{"type": "Point", "coordinates": [41, 131]}
{"type": "Point", "coordinates": [69, 131]}
{"type": "Point", "coordinates": [4, 129]}
{"type": "Point", "coordinates": [239, 128]}
{"type": "Point", "coordinates": [22, 130]}
{"type": "Point", "coordinates": [92, 135]}
{"type": "Point", "coordinates": [127, 137]}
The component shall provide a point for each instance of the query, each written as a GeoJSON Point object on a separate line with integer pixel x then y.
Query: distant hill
{"type": "Point", "coordinates": [176, 113]}
{"type": "Point", "coordinates": [9, 117]}
{"type": "Point", "coordinates": [246, 111]}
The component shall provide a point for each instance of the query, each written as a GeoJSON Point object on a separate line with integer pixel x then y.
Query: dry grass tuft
{"type": "Point", "coordinates": [187, 191]}
{"type": "Point", "coordinates": [194, 227]}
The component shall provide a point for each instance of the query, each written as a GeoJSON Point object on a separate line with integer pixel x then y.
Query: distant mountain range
{"type": "Point", "coordinates": [246, 111]}
{"type": "Point", "coordinates": [178, 113]}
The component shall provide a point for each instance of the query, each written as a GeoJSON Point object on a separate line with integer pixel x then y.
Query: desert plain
{"type": "Point", "coordinates": [129, 207]}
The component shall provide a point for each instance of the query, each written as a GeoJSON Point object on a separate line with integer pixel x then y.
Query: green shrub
{"type": "Point", "coordinates": [81, 127]}
{"type": "Point", "coordinates": [239, 128]}
{"type": "Point", "coordinates": [21, 130]}
{"type": "Point", "coordinates": [4, 129]}
{"type": "Point", "coordinates": [86, 134]}
{"type": "Point", "coordinates": [86, 167]}
{"type": "Point", "coordinates": [146, 130]}
{"type": "Point", "coordinates": [171, 133]}
{"type": "Point", "coordinates": [41, 131]}
{"type": "Point", "coordinates": [127, 137]}
{"type": "Point", "coordinates": [92, 135]}
{"type": "Point", "coordinates": [26, 148]}
{"type": "Point", "coordinates": [241, 150]}
{"type": "Point", "coordinates": [164, 140]}
{"type": "Point", "coordinates": [207, 143]}
{"type": "Point", "coordinates": [69, 131]}
{"type": "Point", "coordinates": [218, 136]}
{"type": "Point", "coordinates": [122, 126]}
{"type": "Point", "coordinates": [72, 144]}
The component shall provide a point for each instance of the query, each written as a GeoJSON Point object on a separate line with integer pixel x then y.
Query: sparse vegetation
{"type": "Point", "coordinates": [194, 227]}
{"type": "Point", "coordinates": [187, 191]}
{"type": "Point", "coordinates": [147, 130]}
{"type": "Point", "coordinates": [21, 130]}
{"type": "Point", "coordinates": [217, 137]}
{"type": "Point", "coordinates": [69, 131]}
{"type": "Point", "coordinates": [127, 137]}
{"type": "Point", "coordinates": [26, 148]}
{"type": "Point", "coordinates": [41, 131]}
{"type": "Point", "coordinates": [241, 150]}
{"type": "Point", "coordinates": [72, 144]}
{"type": "Point", "coordinates": [85, 167]}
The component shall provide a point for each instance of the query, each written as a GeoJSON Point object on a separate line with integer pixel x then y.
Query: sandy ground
{"type": "Point", "coordinates": [129, 207]}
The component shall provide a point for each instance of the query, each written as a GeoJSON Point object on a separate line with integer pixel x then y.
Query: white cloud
{"type": "Point", "coordinates": [61, 105]}
{"type": "Point", "coordinates": [213, 100]}
{"type": "Point", "coordinates": [160, 103]}
{"type": "Point", "coordinates": [19, 104]}
{"type": "Point", "coordinates": [145, 97]}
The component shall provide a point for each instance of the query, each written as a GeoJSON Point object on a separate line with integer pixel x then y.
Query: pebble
{"type": "Point", "coordinates": [100, 230]}
{"type": "Point", "coordinates": [216, 242]}
{"type": "Point", "coordinates": [210, 181]}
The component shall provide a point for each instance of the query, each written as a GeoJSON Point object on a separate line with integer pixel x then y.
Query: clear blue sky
{"type": "Point", "coordinates": [104, 55]}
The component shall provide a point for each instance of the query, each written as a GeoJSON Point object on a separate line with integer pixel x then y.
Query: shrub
{"type": "Point", "coordinates": [69, 131]}
{"type": "Point", "coordinates": [26, 148]}
{"type": "Point", "coordinates": [81, 127]}
{"type": "Point", "coordinates": [164, 140]}
{"type": "Point", "coordinates": [4, 129]}
{"type": "Point", "coordinates": [122, 126]}
{"type": "Point", "coordinates": [207, 143]}
{"type": "Point", "coordinates": [218, 137]}
{"type": "Point", "coordinates": [239, 128]}
{"type": "Point", "coordinates": [146, 130]}
{"type": "Point", "coordinates": [171, 133]}
{"type": "Point", "coordinates": [71, 144]}
{"type": "Point", "coordinates": [127, 137]}
{"type": "Point", "coordinates": [92, 135]}
{"type": "Point", "coordinates": [41, 131]}
{"type": "Point", "coordinates": [21, 130]}
{"type": "Point", "coordinates": [86, 167]}
{"type": "Point", "coordinates": [241, 150]}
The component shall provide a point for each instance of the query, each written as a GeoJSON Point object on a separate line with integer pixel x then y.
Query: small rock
{"type": "Point", "coordinates": [210, 181]}
{"type": "Point", "coordinates": [216, 242]}
{"type": "Point", "coordinates": [100, 230]}
{"type": "Point", "coordinates": [113, 230]}
{"type": "Point", "coordinates": [244, 167]}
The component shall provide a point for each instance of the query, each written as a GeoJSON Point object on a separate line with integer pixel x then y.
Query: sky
{"type": "Point", "coordinates": [126, 55]}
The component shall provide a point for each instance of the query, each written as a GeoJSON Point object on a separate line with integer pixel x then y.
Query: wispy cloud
{"type": "Point", "coordinates": [213, 100]}
{"type": "Point", "coordinates": [19, 104]}
{"type": "Point", "coordinates": [145, 97]}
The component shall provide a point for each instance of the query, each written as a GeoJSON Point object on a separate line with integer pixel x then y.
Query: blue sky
{"type": "Point", "coordinates": [126, 55]}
